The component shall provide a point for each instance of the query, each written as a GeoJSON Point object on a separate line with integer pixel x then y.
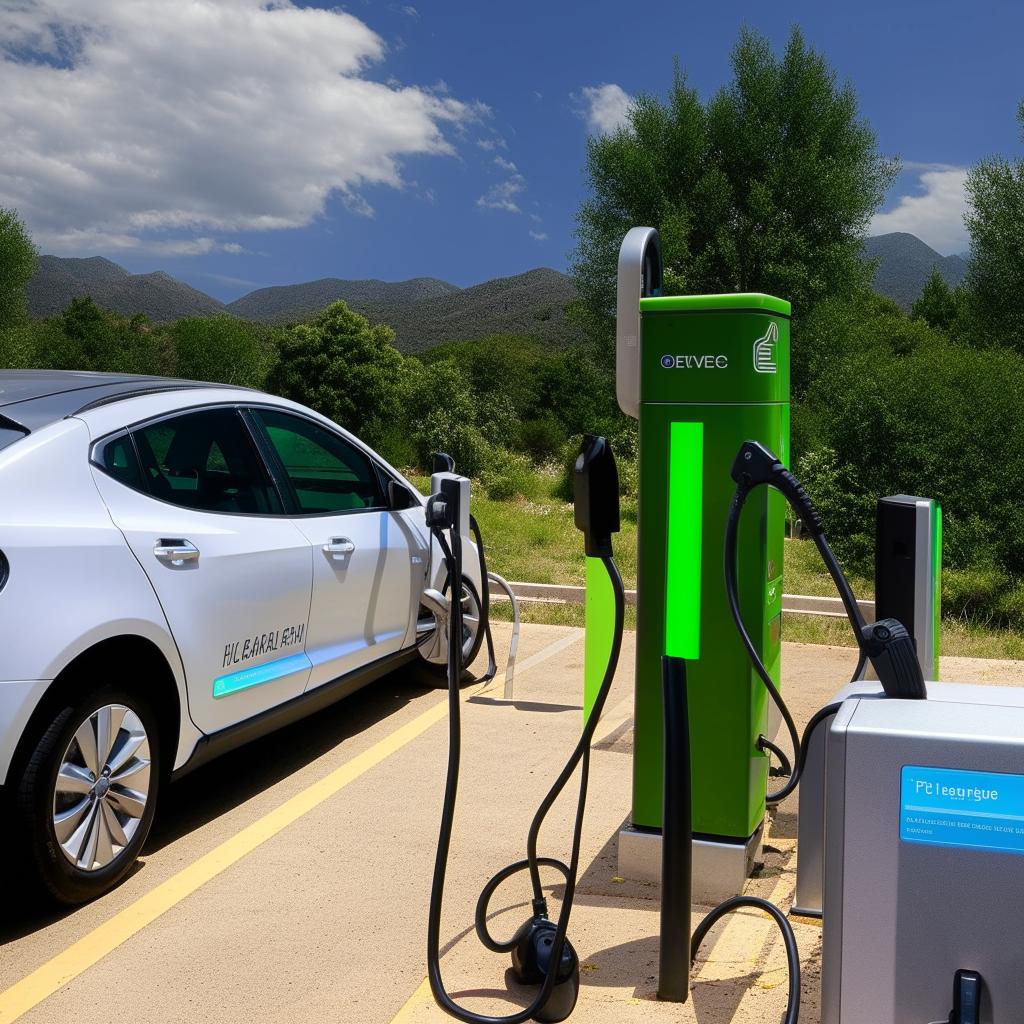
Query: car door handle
{"type": "Point", "coordinates": [338, 547]}
{"type": "Point", "coordinates": [175, 551]}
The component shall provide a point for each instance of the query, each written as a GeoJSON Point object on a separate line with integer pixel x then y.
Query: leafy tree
{"type": "Point", "coordinates": [943, 420]}
{"type": "Point", "coordinates": [995, 278]}
{"type": "Point", "coordinates": [769, 186]}
{"type": "Point", "coordinates": [938, 305]}
{"type": "Point", "coordinates": [17, 265]}
{"type": "Point", "coordinates": [342, 366]}
{"type": "Point", "coordinates": [87, 337]}
{"type": "Point", "coordinates": [222, 349]}
{"type": "Point", "coordinates": [843, 326]}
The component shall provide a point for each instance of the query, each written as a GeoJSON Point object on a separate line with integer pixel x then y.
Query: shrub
{"type": "Point", "coordinates": [223, 349]}
{"type": "Point", "coordinates": [343, 367]}
{"type": "Point", "coordinates": [542, 438]}
{"type": "Point", "coordinates": [508, 475]}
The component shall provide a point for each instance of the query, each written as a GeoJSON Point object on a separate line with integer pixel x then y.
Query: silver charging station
{"type": "Point", "coordinates": [923, 855]}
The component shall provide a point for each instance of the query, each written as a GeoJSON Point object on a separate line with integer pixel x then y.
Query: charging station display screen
{"type": "Point", "coordinates": [967, 809]}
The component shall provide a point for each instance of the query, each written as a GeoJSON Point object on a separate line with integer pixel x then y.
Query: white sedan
{"type": "Point", "coordinates": [183, 567]}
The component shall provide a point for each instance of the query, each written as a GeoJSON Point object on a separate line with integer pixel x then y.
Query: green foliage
{"type": "Point", "coordinates": [223, 349]}
{"type": "Point", "coordinates": [343, 367]}
{"type": "Point", "coordinates": [509, 475]}
{"type": "Point", "coordinates": [995, 277]}
{"type": "Point", "coordinates": [767, 187]}
{"type": "Point", "coordinates": [17, 264]}
{"type": "Point", "coordinates": [87, 337]}
{"type": "Point", "coordinates": [843, 326]}
{"type": "Point", "coordinates": [938, 305]}
{"type": "Point", "coordinates": [943, 421]}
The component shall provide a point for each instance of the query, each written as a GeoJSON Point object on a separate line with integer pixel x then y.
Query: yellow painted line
{"type": "Point", "coordinates": [421, 997]}
{"type": "Point", "coordinates": [91, 948]}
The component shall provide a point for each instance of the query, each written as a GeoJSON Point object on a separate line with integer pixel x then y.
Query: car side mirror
{"type": "Point", "coordinates": [399, 497]}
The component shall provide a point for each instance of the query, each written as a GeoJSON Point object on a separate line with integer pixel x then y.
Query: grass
{"type": "Point", "coordinates": [535, 540]}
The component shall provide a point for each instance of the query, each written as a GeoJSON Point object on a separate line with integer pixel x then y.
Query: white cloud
{"type": "Point", "coordinates": [505, 165]}
{"type": "Point", "coordinates": [539, 236]}
{"type": "Point", "coordinates": [490, 145]}
{"type": "Point", "coordinates": [604, 107]}
{"type": "Point", "coordinates": [935, 213]}
{"type": "Point", "coordinates": [502, 196]}
{"type": "Point", "coordinates": [123, 122]}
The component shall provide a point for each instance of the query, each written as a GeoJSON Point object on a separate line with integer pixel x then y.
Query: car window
{"type": "Point", "coordinates": [117, 457]}
{"type": "Point", "coordinates": [205, 460]}
{"type": "Point", "coordinates": [327, 473]}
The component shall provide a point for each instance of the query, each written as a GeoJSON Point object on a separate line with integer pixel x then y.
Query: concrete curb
{"type": "Point", "coordinates": [557, 593]}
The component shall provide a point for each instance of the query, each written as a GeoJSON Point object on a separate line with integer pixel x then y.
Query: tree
{"type": "Point", "coordinates": [17, 265]}
{"type": "Point", "coordinates": [769, 186]}
{"type": "Point", "coordinates": [88, 337]}
{"type": "Point", "coordinates": [222, 349]}
{"type": "Point", "coordinates": [937, 305]}
{"type": "Point", "coordinates": [995, 277]}
{"type": "Point", "coordinates": [343, 367]}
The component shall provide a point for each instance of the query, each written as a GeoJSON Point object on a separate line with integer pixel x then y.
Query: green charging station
{"type": "Point", "coordinates": [703, 374]}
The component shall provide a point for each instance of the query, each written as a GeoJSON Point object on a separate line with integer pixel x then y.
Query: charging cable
{"type": "Point", "coordinates": [887, 644]}
{"type": "Point", "coordinates": [541, 952]}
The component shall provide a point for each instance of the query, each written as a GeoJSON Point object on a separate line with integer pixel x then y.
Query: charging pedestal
{"type": "Point", "coordinates": [703, 374]}
{"type": "Point", "coordinates": [908, 571]}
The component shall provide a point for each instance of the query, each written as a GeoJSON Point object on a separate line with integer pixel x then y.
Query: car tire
{"type": "Point", "coordinates": [84, 812]}
{"type": "Point", "coordinates": [471, 647]}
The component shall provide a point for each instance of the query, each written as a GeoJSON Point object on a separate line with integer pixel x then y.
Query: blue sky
{"type": "Point", "coordinates": [440, 138]}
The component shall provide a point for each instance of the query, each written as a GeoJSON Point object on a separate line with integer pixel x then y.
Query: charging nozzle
{"type": "Point", "coordinates": [893, 655]}
{"type": "Point", "coordinates": [755, 464]}
{"type": "Point", "coordinates": [596, 495]}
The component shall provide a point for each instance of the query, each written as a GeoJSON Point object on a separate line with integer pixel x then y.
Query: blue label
{"type": "Point", "coordinates": [972, 810]}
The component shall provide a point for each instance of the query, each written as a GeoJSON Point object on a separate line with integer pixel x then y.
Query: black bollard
{"type": "Point", "coordinates": [676, 838]}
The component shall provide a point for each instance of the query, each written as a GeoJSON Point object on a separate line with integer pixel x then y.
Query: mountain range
{"type": "Point", "coordinates": [905, 263]}
{"type": "Point", "coordinates": [424, 310]}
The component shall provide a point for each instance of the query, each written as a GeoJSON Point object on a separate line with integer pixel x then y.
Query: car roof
{"type": "Point", "coordinates": [32, 399]}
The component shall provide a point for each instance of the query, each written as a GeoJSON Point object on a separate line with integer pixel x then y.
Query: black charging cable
{"type": "Point", "coordinates": [886, 644]}
{"type": "Point", "coordinates": [754, 467]}
{"type": "Point", "coordinates": [540, 951]}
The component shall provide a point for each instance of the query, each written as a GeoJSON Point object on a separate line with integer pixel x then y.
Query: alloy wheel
{"type": "Point", "coordinates": [102, 787]}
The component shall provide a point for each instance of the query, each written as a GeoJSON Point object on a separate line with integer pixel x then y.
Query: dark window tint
{"type": "Point", "coordinates": [207, 461]}
{"type": "Point", "coordinates": [117, 457]}
{"type": "Point", "coordinates": [327, 474]}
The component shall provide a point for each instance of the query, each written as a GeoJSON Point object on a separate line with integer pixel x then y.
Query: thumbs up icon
{"type": "Point", "coordinates": [764, 350]}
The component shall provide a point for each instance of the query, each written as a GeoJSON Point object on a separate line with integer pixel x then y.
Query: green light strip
{"type": "Point", "coordinates": [685, 492]}
{"type": "Point", "coordinates": [599, 623]}
{"type": "Point", "coordinates": [937, 582]}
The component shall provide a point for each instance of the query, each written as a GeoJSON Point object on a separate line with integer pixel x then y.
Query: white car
{"type": "Point", "coordinates": [183, 567]}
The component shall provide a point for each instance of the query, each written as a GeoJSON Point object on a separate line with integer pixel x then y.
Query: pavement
{"type": "Point", "coordinates": [289, 881]}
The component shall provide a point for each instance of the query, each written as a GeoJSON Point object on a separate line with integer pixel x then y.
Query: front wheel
{"type": "Point", "coordinates": [88, 793]}
{"type": "Point", "coordinates": [472, 631]}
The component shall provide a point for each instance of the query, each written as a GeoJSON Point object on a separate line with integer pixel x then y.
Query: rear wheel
{"type": "Point", "coordinates": [472, 631]}
{"type": "Point", "coordinates": [88, 793]}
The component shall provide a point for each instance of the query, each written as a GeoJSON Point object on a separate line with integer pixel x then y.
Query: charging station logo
{"type": "Point", "coordinates": [690, 362]}
{"type": "Point", "coordinates": [764, 350]}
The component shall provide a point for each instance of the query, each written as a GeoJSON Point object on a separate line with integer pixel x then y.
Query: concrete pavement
{"type": "Point", "coordinates": [289, 880]}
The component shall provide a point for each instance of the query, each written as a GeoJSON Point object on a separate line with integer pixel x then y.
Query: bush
{"type": "Point", "coordinates": [508, 475]}
{"type": "Point", "coordinates": [223, 349]}
{"type": "Point", "coordinates": [343, 367]}
{"type": "Point", "coordinates": [943, 421]}
{"type": "Point", "coordinates": [542, 438]}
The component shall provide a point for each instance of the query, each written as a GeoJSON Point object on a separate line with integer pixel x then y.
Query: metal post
{"type": "Point", "coordinates": [677, 838]}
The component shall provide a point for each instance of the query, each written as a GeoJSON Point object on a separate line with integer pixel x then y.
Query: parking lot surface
{"type": "Point", "coordinates": [289, 880]}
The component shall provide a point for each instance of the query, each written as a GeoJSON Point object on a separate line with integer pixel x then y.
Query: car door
{"type": "Point", "coordinates": [194, 500]}
{"type": "Point", "coordinates": [365, 557]}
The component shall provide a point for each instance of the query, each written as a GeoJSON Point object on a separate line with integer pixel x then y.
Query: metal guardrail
{"type": "Point", "coordinates": [792, 604]}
